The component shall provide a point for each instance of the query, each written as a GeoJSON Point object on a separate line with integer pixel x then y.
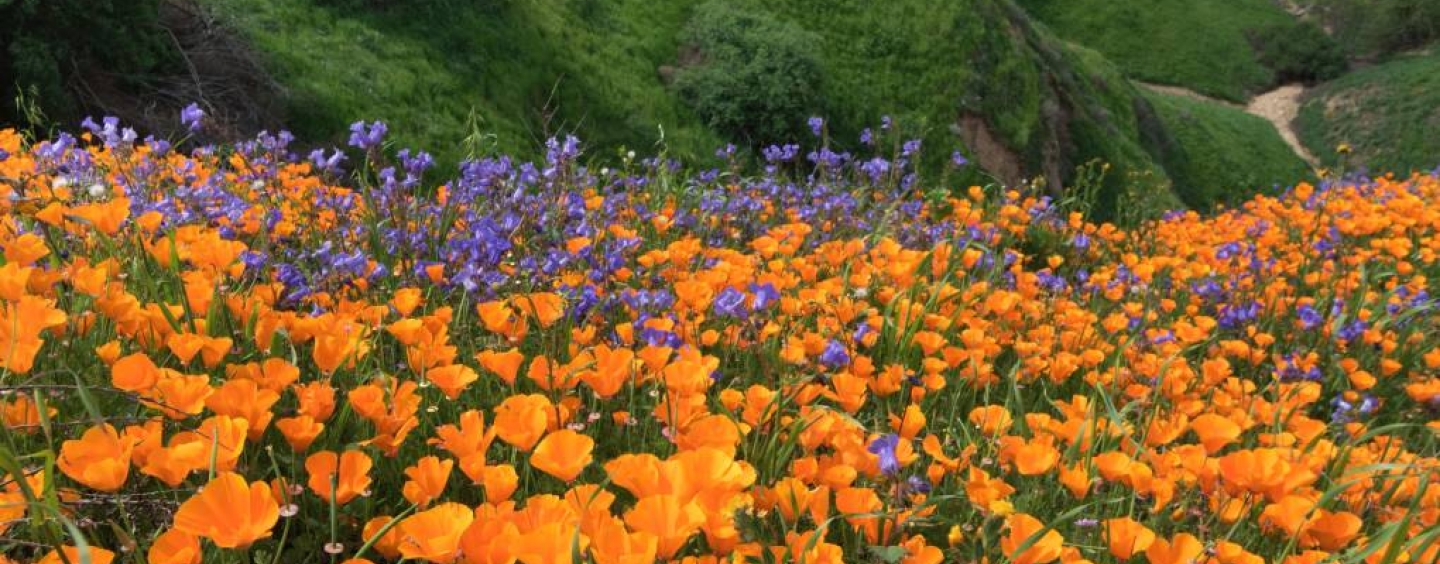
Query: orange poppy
{"type": "Point", "coordinates": [504, 364]}
{"type": "Point", "coordinates": [1021, 527]}
{"type": "Point", "coordinates": [72, 555]}
{"type": "Point", "coordinates": [452, 379]}
{"type": "Point", "coordinates": [348, 473]}
{"type": "Point", "coordinates": [21, 324]}
{"type": "Point", "coordinates": [229, 512]}
{"type": "Point", "coordinates": [428, 477]}
{"type": "Point", "coordinates": [563, 454]}
{"type": "Point", "coordinates": [545, 307]}
{"type": "Point", "coordinates": [1184, 548]}
{"type": "Point", "coordinates": [611, 543]}
{"type": "Point", "coordinates": [245, 399]}
{"type": "Point", "coordinates": [175, 547]}
{"type": "Point", "coordinates": [134, 373]}
{"type": "Point", "coordinates": [991, 419]}
{"type": "Point", "coordinates": [433, 535]}
{"type": "Point", "coordinates": [669, 519]}
{"type": "Point", "coordinates": [180, 396]}
{"type": "Point", "coordinates": [521, 420]}
{"type": "Point", "coordinates": [1215, 431]}
{"type": "Point", "coordinates": [300, 431]}
{"type": "Point", "coordinates": [99, 459]}
{"type": "Point", "coordinates": [500, 482]}
{"type": "Point", "coordinates": [1126, 537]}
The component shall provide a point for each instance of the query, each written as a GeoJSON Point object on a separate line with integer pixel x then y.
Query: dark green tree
{"type": "Point", "coordinates": [752, 78]}
{"type": "Point", "coordinates": [50, 48]}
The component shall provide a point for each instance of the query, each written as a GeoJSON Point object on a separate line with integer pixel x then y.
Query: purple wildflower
{"type": "Point", "coordinates": [834, 355]}
{"type": "Point", "coordinates": [192, 116]}
{"type": "Point", "coordinates": [884, 447]}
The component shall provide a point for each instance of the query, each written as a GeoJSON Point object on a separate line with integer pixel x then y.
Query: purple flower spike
{"type": "Point", "coordinates": [192, 117]}
{"type": "Point", "coordinates": [884, 447]}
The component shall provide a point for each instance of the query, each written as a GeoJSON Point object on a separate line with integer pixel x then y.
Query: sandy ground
{"type": "Point", "coordinates": [1281, 106]}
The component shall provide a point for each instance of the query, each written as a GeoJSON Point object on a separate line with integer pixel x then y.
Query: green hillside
{"type": "Point", "coordinates": [1223, 155]}
{"type": "Point", "coordinates": [527, 70]}
{"type": "Point", "coordinates": [1387, 113]}
{"type": "Point", "coordinates": [973, 73]}
{"type": "Point", "coordinates": [1203, 45]}
{"type": "Point", "coordinates": [470, 77]}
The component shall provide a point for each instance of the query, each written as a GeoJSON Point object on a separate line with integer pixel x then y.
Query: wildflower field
{"type": "Point", "coordinates": [241, 354]}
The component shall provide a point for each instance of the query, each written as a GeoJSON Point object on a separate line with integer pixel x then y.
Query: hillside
{"type": "Point", "coordinates": [474, 77]}
{"type": "Point", "coordinates": [975, 74]}
{"type": "Point", "coordinates": [1223, 154]}
{"type": "Point", "coordinates": [1203, 45]}
{"type": "Point", "coordinates": [1387, 113]}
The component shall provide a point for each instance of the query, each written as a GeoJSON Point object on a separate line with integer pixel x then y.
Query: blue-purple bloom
{"type": "Point", "coordinates": [765, 294]}
{"type": "Point", "coordinates": [1309, 318]}
{"type": "Point", "coordinates": [192, 116]}
{"type": "Point", "coordinates": [884, 447]}
{"type": "Point", "coordinates": [367, 137]}
{"type": "Point", "coordinates": [730, 303]}
{"type": "Point", "coordinates": [835, 355]}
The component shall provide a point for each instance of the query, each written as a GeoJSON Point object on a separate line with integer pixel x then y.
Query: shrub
{"type": "Point", "coordinates": [1298, 52]}
{"type": "Point", "coordinates": [1383, 27]}
{"type": "Point", "coordinates": [753, 79]}
{"type": "Point", "coordinates": [48, 46]}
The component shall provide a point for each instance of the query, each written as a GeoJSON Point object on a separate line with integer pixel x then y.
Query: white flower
{"type": "Point", "coordinates": [98, 190]}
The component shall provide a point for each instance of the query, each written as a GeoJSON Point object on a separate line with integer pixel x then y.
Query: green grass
{"type": "Point", "coordinates": [1222, 154]}
{"type": "Point", "coordinates": [1388, 113]}
{"type": "Point", "coordinates": [1197, 44]}
{"type": "Point", "coordinates": [1055, 107]}
{"type": "Point", "coordinates": [528, 70]}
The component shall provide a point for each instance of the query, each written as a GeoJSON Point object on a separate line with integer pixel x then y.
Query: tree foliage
{"type": "Point", "coordinates": [753, 78]}
{"type": "Point", "coordinates": [1298, 52]}
{"type": "Point", "coordinates": [50, 47]}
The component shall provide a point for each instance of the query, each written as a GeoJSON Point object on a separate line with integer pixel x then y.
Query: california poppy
{"type": "Point", "coordinates": [1021, 528]}
{"type": "Point", "coordinates": [229, 512]}
{"type": "Point", "coordinates": [300, 431]}
{"type": "Point", "coordinates": [427, 479]}
{"type": "Point", "coordinates": [563, 454]}
{"type": "Point", "coordinates": [349, 472]}
{"type": "Point", "coordinates": [175, 547]}
{"type": "Point", "coordinates": [72, 555]}
{"type": "Point", "coordinates": [433, 535]}
{"type": "Point", "coordinates": [505, 364]}
{"type": "Point", "coordinates": [1183, 548]}
{"type": "Point", "coordinates": [671, 520]}
{"type": "Point", "coordinates": [1126, 537]}
{"type": "Point", "coordinates": [99, 459]}
{"type": "Point", "coordinates": [452, 379]}
{"type": "Point", "coordinates": [521, 420]}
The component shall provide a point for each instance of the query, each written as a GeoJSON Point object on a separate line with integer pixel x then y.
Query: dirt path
{"type": "Point", "coordinates": [1279, 107]}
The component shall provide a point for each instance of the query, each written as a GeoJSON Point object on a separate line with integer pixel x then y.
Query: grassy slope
{"type": "Point", "coordinates": [527, 69]}
{"type": "Point", "coordinates": [1388, 113]}
{"type": "Point", "coordinates": [1224, 154]}
{"type": "Point", "coordinates": [1198, 44]}
{"type": "Point", "coordinates": [594, 64]}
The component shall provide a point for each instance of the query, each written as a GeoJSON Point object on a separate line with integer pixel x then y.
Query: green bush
{"type": "Point", "coordinates": [1382, 27]}
{"type": "Point", "coordinates": [1298, 52]}
{"type": "Point", "coordinates": [47, 47]}
{"type": "Point", "coordinates": [752, 78]}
